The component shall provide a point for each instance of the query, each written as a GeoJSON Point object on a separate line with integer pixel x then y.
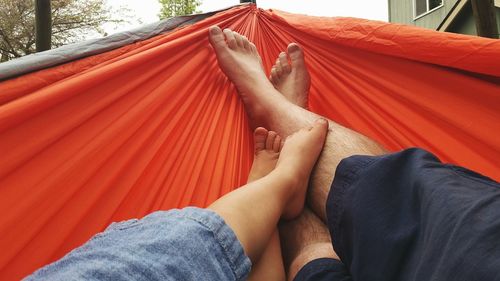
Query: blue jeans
{"type": "Point", "coordinates": [188, 244]}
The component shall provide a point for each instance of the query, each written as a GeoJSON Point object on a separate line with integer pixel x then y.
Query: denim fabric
{"type": "Point", "coordinates": [187, 244]}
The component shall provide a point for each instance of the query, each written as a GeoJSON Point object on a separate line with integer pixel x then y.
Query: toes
{"type": "Point", "coordinates": [296, 54]}
{"type": "Point", "coordinates": [271, 78]}
{"type": "Point", "coordinates": [246, 43]}
{"type": "Point", "coordinates": [279, 70]}
{"type": "Point", "coordinates": [230, 39]}
{"type": "Point", "coordinates": [271, 136]}
{"type": "Point", "coordinates": [294, 50]}
{"type": "Point", "coordinates": [277, 144]}
{"type": "Point", "coordinates": [253, 48]}
{"type": "Point", "coordinates": [259, 138]}
{"type": "Point", "coordinates": [281, 66]}
{"type": "Point", "coordinates": [239, 39]}
{"type": "Point", "coordinates": [283, 61]}
{"type": "Point", "coordinates": [274, 76]}
{"type": "Point", "coordinates": [216, 37]}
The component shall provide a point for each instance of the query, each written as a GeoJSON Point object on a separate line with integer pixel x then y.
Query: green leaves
{"type": "Point", "coordinates": [72, 21]}
{"type": "Point", "coordinates": [172, 8]}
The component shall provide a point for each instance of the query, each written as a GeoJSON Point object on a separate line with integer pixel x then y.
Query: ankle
{"type": "Point", "coordinates": [289, 179]}
{"type": "Point", "coordinates": [260, 105]}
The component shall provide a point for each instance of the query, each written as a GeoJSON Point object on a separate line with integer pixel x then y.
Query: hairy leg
{"type": "Point", "coordinates": [291, 78]}
{"type": "Point", "coordinates": [253, 211]}
{"type": "Point", "coordinates": [340, 143]}
{"type": "Point", "coordinates": [304, 239]}
{"type": "Point", "coordinates": [266, 107]}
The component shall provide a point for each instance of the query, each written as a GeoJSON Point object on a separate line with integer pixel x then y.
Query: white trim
{"type": "Point", "coordinates": [415, 17]}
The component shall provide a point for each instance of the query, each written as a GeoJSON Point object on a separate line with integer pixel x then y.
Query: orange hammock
{"type": "Point", "coordinates": [156, 125]}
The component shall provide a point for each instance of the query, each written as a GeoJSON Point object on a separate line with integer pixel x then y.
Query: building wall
{"type": "Point", "coordinates": [434, 18]}
{"type": "Point", "coordinates": [466, 24]}
{"type": "Point", "coordinates": [401, 11]}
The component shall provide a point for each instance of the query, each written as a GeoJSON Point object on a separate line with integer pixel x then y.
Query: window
{"type": "Point", "coordinates": [424, 6]}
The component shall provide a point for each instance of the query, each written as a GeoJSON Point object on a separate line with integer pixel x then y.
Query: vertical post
{"type": "Point", "coordinates": [43, 25]}
{"type": "Point", "coordinates": [484, 15]}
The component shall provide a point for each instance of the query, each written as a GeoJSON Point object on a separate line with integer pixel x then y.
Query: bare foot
{"type": "Point", "coordinates": [267, 150]}
{"type": "Point", "coordinates": [239, 60]}
{"type": "Point", "coordinates": [297, 158]}
{"type": "Point", "coordinates": [267, 145]}
{"type": "Point", "coordinates": [291, 78]}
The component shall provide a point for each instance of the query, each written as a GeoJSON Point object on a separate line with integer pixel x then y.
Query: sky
{"type": "Point", "coordinates": [146, 11]}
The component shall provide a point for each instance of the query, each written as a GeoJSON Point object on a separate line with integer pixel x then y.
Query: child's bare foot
{"type": "Point", "coordinates": [267, 150]}
{"type": "Point", "coordinates": [297, 158]}
{"type": "Point", "coordinates": [291, 78]}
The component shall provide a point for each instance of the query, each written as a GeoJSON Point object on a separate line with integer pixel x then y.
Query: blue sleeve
{"type": "Point", "coordinates": [188, 244]}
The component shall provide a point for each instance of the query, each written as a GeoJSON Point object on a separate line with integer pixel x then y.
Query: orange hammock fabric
{"type": "Point", "coordinates": [156, 125]}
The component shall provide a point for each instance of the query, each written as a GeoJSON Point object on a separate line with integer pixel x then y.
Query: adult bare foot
{"type": "Point", "coordinates": [296, 161]}
{"type": "Point", "coordinates": [290, 77]}
{"type": "Point", "coordinates": [239, 60]}
{"type": "Point", "coordinates": [267, 145]}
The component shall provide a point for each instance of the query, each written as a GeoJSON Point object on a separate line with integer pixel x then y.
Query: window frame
{"type": "Point", "coordinates": [416, 17]}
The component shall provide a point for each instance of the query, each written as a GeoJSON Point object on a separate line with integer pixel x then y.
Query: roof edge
{"type": "Point", "coordinates": [75, 51]}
